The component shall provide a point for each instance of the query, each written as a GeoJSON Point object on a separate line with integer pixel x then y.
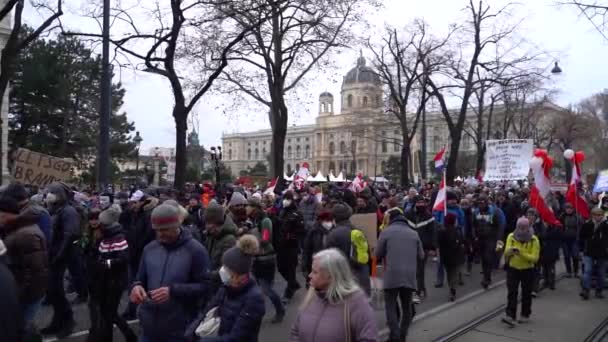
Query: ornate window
{"type": "Point", "coordinates": [332, 166]}
{"type": "Point", "coordinates": [384, 146]}
{"type": "Point", "coordinates": [349, 100]}
{"type": "Point", "coordinates": [248, 154]}
{"type": "Point", "coordinates": [298, 151]}
{"type": "Point", "coordinates": [342, 147]}
{"type": "Point", "coordinates": [307, 152]}
{"type": "Point", "coordinates": [229, 154]}
{"type": "Point", "coordinates": [257, 154]}
{"type": "Point", "coordinates": [332, 148]}
{"type": "Point", "coordinates": [353, 146]}
{"type": "Point", "coordinates": [288, 169]}
{"type": "Point", "coordinates": [365, 100]}
{"type": "Point", "coordinates": [396, 146]}
{"type": "Point", "coordinates": [289, 152]}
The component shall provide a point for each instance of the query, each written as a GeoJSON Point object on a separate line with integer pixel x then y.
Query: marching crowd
{"type": "Point", "coordinates": [198, 264]}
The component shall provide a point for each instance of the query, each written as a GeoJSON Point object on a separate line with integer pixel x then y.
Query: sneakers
{"type": "Point", "coordinates": [508, 320]}
{"type": "Point", "coordinates": [523, 320]}
{"type": "Point", "coordinates": [485, 284]}
{"type": "Point", "coordinates": [452, 295]}
{"type": "Point", "coordinates": [585, 294]}
{"type": "Point", "coordinates": [416, 299]}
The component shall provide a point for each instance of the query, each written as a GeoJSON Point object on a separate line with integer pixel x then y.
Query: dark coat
{"type": "Point", "coordinates": [595, 240]}
{"type": "Point", "coordinates": [241, 312]}
{"type": "Point", "coordinates": [552, 239]}
{"type": "Point", "coordinates": [141, 233]}
{"type": "Point", "coordinates": [423, 223]}
{"type": "Point", "coordinates": [313, 243]}
{"type": "Point", "coordinates": [451, 247]}
{"type": "Point", "coordinates": [28, 257]}
{"type": "Point", "coordinates": [10, 310]}
{"type": "Point", "coordinates": [66, 225]}
{"type": "Point", "coordinates": [572, 225]}
{"type": "Point", "coordinates": [108, 266]}
{"type": "Point", "coordinates": [291, 228]}
{"type": "Point", "coordinates": [487, 224]}
{"type": "Point", "coordinates": [181, 266]}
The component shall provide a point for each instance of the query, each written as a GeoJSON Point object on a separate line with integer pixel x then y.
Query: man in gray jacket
{"type": "Point", "coordinates": [400, 245]}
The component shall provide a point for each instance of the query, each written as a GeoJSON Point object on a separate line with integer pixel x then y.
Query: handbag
{"type": "Point", "coordinates": [210, 325]}
{"type": "Point", "coordinates": [347, 321]}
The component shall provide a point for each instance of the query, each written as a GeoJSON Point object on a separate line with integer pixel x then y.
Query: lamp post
{"type": "Point", "coordinates": [156, 180]}
{"type": "Point", "coordinates": [103, 153]}
{"type": "Point", "coordinates": [137, 140]}
{"type": "Point", "coordinates": [216, 156]}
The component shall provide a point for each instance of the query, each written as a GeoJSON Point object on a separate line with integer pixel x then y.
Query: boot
{"type": "Point", "coordinates": [452, 294]}
{"type": "Point", "coordinates": [585, 294]}
{"type": "Point", "coordinates": [66, 329]}
{"type": "Point", "coordinates": [52, 328]}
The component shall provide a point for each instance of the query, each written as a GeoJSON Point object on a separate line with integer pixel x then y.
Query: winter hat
{"type": "Point", "coordinates": [450, 220]}
{"type": "Point", "coordinates": [237, 199]}
{"type": "Point", "coordinates": [165, 216]}
{"type": "Point", "coordinates": [342, 212]}
{"type": "Point", "coordinates": [110, 215]}
{"type": "Point", "coordinates": [594, 211]}
{"type": "Point", "coordinates": [214, 213]}
{"type": "Point", "coordinates": [239, 258]}
{"type": "Point", "coordinates": [325, 215]}
{"type": "Point", "coordinates": [17, 191]}
{"type": "Point", "coordinates": [254, 202]}
{"type": "Point", "coordinates": [568, 206]}
{"type": "Point", "coordinates": [183, 213]}
{"type": "Point", "coordinates": [8, 204]}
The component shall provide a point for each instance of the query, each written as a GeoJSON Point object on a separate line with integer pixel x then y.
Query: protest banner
{"type": "Point", "coordinates": [369, 225]}
{"type": "Point", "coordinates": [40, 169]}
{"type": "Point", "coordinates": [507, 159]}
{"type": "Point", "coordinates": [601, 182]}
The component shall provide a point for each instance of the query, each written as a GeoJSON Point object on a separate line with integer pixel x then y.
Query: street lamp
{"type": "Point", "coordinates": [137, 140]}
{"type": "Point", "coordinates": [556, 69]}
{"type": "Point", "coordinates": [216, 156]}
{"type": "Point", "coordinates": [156, 181]}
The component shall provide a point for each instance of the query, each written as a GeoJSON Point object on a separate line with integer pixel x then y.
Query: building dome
{"type": "Point", "coordinates": [326, 94]}
{"type": "Point", "coordinates": [361, 74]}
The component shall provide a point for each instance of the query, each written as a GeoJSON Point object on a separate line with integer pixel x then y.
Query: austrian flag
{"type": "Point", "coordinates": [439, 160]}
{"type": "Point", "coordinates": [541, 165]}
{"type": "Point", "coordinates": [572, 196]}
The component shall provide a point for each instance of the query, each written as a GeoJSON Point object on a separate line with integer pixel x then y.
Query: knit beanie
{"type": "Point", "coordinates": [8, 204]}
{"type": "Point", "coordinates": [237, 199]}
{"type": "Point", "coordinates": [214, 213]}
{"type": "Point", "coordinates": [183, 212]}
{"type": "Point", "coordinates": [342, 212]}
{"type": "Point", "coordinates": [254, 202]}
{"type": "Point", "coordinates": [165, 216]}
{"type": "Point", "coordinates": [110, 216]}
{"type": "Point", "coordinates": [239, 258]}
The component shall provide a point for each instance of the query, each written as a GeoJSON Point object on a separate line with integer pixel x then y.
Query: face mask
{"type": "Point", "coordinates": [327, 225]}
{"type": "Point", "coordinates": [51, 198]}
{"type": "Point", "coordinates": [224, 276]}
{"type": "Point", "coordinates": [286, 203]}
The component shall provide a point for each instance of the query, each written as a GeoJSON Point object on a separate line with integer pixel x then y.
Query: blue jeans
{"type": "Point", "coordinates": [266, 286]}
{"type": "Point", "coordinates": [29, 312]}
{"type": "Point", "coordinates": [600, 265]}
{"type": "Point", "coordinates": [570, 248]}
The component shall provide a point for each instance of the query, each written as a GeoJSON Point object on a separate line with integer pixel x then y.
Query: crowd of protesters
{"type": "Point", "coordinates": [197, 264]}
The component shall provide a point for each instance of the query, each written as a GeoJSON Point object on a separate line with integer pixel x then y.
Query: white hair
{"type": "Point", "coordinates": [342, 283]}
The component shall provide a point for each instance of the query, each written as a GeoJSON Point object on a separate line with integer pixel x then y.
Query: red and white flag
{"type": "Point", "coordinates": [439, 160]}
{"type": "Point", "coordinates": [300, 178]}
{"type": "Point", "coordinates": [440, 201]}
{"type": "Point", "coordinates": [271, 186]}
{"type": "Point", "coordinates": [541, 165]}
{"type": "Point", "coordinates": [358, 183]}
{"type": "Point", "coordinates": [572, 196]}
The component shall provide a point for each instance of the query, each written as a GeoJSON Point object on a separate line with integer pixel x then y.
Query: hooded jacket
{"type": "Point", "coordinates": [220, 242]}
{"type": "Point", "coordinates": [182, 266]}
{"type": "Point", "coordinates": [27, 256]}
{"type": "Point", "coordinates": [241, 312]}
{"type": "Point", "coordinates": [141, 233]}
{"type": "Point", "coordinates": [423, 222]}
{"type": "Point", "coordinates": [66, 225]}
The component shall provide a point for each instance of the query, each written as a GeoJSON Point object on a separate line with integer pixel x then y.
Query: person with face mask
{"type": "Point", "coordinates": [66, 230]}
{"type": "Point", "coordinates": [315, 240]}
{"type": "Point", "coordinates": [422, 221]}
{"type": "Point", "coordinates": [572, 223]}
{"type": "Point", "coordinates": [335, 307]}
{"type": "Point", "coordinates": [489, 231]}
{"type": "Point", "coordinates": [594, 238]}
{"type": "Point", "coordinates": [171, 279]}
{"type": "Point", "coordinates": [239, 303]}
{"type": "Point", "coordinates": [265, 262]}
{"type": "Point", "coordinates": [309, 207]}
{"type": "Point", "coordinates": [196, 218]}
{"type": "Point", "coordinates": [291, 231]}
{"type": "Point", "coordinates": [237, 212]}
{"type": "Point", "coordinates": [220, 236]}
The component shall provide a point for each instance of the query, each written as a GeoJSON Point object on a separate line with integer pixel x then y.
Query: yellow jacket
{"type": "Point", "coordinates": [528, 253]}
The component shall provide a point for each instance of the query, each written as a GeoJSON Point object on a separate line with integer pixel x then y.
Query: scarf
{"type": "Point", "coordinates": [522, 236]}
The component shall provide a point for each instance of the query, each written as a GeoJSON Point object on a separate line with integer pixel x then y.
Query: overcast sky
{"type": "Point", "coordinates": [582, 54]}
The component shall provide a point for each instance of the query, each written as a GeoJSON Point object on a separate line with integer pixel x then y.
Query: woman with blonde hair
{"type": "Point", "coordinates": [335, 308]}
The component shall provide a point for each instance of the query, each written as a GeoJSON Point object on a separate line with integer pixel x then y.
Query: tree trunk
{"type": "Point", "coordinates": [481, 152]}
{"type": "Point", "coordinates": [181, 151]}
{"type": "Point", "coordinates": [453, 157]}
{"type": "Point", "coordinates": [278, 122]}
{"type": "Point", "coordinates": [405, 163]}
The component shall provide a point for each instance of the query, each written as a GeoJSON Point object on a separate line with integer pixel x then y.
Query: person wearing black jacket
{"type": "Point", "coordinates": [594, 237]}
{"type": "Point", "coordinates": [11, 317]}
{"type": "Point", "coordinates": [66, 230]}
{"type": "Point", "coordinates": [552, 238]}
{"type": "Point", "coordinates": [422, 221]}
{"type": "Point", "coordinates": [108, 275]}
{"type": "Point", "coordinates": [196, 219]}
{"type": "Point", "coordinates": [291, 230]}
{"type": "Point", "coordinates": [572, 223]}
{"type": "Point", "coordinates": [315, 240]}
{"type": "Point", "coordinates": [451, 245]}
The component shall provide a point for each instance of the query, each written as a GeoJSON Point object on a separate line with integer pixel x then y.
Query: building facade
{"type": "Point", "coordinates": [5, 31]}
{"type": "Point", "coordinates": [360, 138]}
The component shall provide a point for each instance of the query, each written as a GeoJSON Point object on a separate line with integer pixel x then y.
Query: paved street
{"type": "Point", "coordinates": [280, 332]}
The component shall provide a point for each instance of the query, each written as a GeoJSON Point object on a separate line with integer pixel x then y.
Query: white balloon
{"type": "Point", "coordinates": [568, 154]}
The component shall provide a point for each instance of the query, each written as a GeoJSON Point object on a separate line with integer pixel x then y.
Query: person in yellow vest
{"type": "Point", "coordinates": [522, 251]}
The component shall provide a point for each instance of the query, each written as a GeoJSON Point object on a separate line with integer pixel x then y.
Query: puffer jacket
{"type": "Point", "coordinates": [241, 312]}
{"type": "Point", "coordinates": [309, 211]}
{"type": "Point", "coordinates": [109, 263]}
{"type": "Point", "coordinates": [66, 225]}
{"type": "Point", "coordinates": [220, 242]}
{"type": "Point", "coordinates": [423, 223]}
{"type": "Point", "coordinates": [181, 266]}
{"type": "Point", "coordinates": [141, 233]}
{"type": "Point", "coordinates": [28, 257]}
{"type": "Point", "coordinates": [487, 224]}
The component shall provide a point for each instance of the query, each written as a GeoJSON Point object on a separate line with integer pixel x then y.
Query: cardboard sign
{"type": "Point", "coordinates": [601, 182]}
{"type": "Point", "coordinates": [369, 225]}
{"type": "Point", "coordinates": [507, 159]}
{"type": "Point", "coordinates": [40, 169]}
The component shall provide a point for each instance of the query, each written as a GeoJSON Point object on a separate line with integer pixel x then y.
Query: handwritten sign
{"type": "Point", "coordinates": [507, 159]}
{"type": "Point", "coordinates": [368, 224]}
{"type": "Point", "coordinates": [601, 183]}
{"type": "Point", "coordinates": [40, 169]}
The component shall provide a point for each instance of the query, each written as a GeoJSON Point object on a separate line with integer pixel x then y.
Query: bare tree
{"type": "Point", "coordinates": [595, 11]}
{"type": "Point", "coordinates": [283, 50]}
{"type": "Point", "coordinates": [17, 41]}
{"type": "Point", "coordinates": [188, 44]}
{"type": "Point", "coordinates": [480, 34]}
{"type": "Point", "coordinates": [404, 64]}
